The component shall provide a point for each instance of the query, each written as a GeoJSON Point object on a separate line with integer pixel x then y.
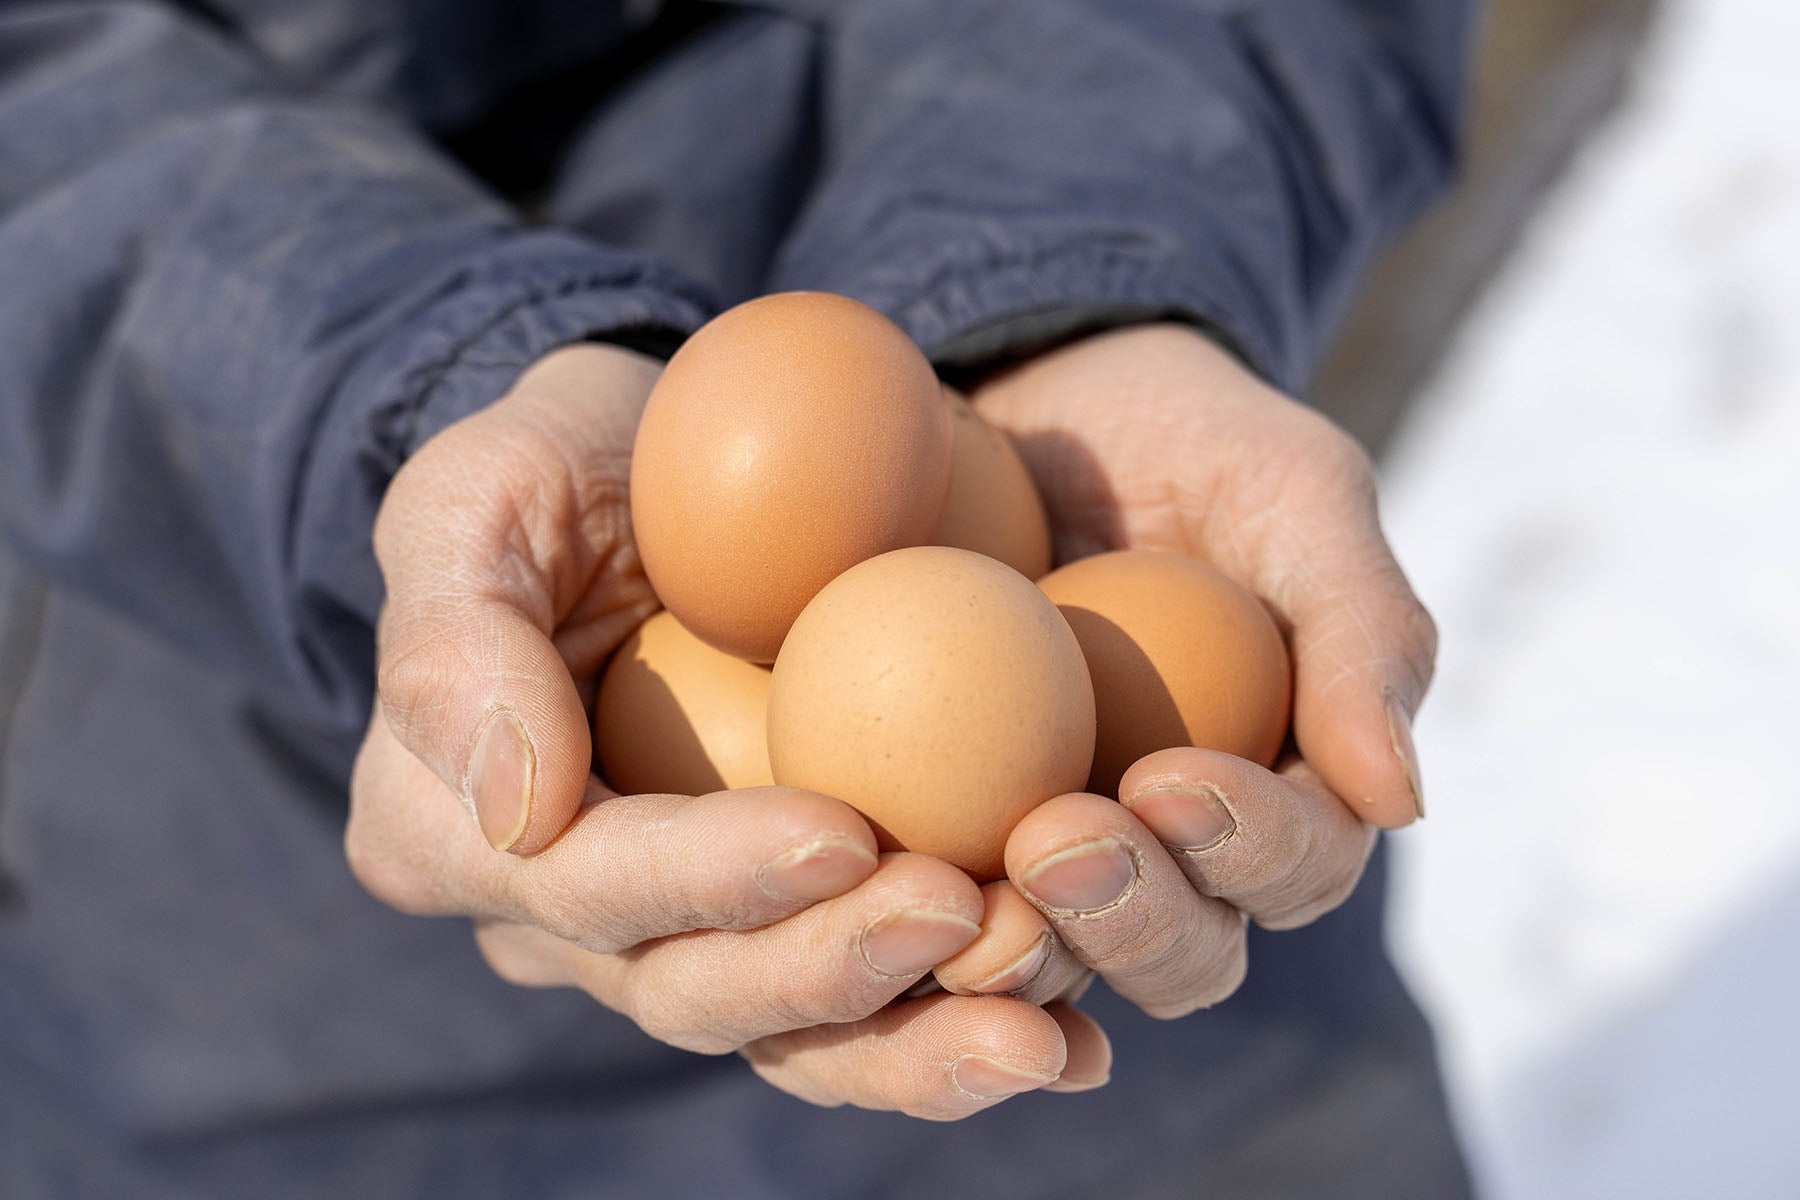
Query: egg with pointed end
{"type": "Point", "coordinates": [789, 439]}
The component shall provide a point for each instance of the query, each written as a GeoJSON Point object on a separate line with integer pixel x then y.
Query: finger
{"type": "Point", "coordinates": [941, 1058]}
{"type": "Point", "coordinates": [629, 869]}
{"type": "Point", "coordinates": [1117, 899]}
{"type": "Point", "coordinates": [1363, 645]}
{"type": "Point", "coordinates": [712, 991]}
{"type": "Point", "coordinates": [839, 961]}
{"type": "Point", "coordinates": [526, 956]}
{"type": "Point", "coordinates": [486, 539]}
{"type": "Point", "coordinates": [1088, 1061]}
{"type": "Point", "coordinates": [1017, 954]}
{"type": "Point", "coordinates": [529, 957]}
{"type": "Point", "coordinates": [1276, 845]}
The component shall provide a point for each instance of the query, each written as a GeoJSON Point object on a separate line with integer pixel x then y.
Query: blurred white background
{"type": "Point", "coordinates": [1599, 498]}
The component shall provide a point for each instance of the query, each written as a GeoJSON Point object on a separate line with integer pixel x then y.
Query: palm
{"type": "Point", "coordinates": [1156, 437]}
{"type": "Point", "coordinates": [539, 491]}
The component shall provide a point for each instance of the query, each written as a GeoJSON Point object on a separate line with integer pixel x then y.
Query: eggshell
{"type": "Point", "coordinates": [938, 692]}
{"type": "Point", "coordinates": [676, 715]}
{"type": "Point", "coordinates": [788, 440]}
{"type": "Point", "coordinates": [1180, 656]}
{"type": "Point", "coordinates": [992, 508]}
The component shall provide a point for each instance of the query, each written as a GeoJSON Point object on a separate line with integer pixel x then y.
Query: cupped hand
{"type": "Point", "coordinates": [1155, 437]}
{"type": "Point", "coordinates": [760, 921]}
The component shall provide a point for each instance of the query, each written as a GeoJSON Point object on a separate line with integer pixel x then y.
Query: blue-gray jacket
{"type": "Point", "coordinates": [254, 252]}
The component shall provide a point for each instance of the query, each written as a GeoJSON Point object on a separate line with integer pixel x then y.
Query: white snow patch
{"type": "Point", "coordinates": [1600, 501]}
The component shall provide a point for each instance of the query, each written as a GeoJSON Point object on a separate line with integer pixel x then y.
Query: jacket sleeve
{"type": "Point", "coordinates": [999, 171]}
{"type": "Point", "coordinates": [230, 311]}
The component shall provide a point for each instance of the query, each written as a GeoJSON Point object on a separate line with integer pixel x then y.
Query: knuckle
{"type": "Point", "coordinates": [734, 902]}
{"type": "Point", "coordinates": [510, 961]}
{"type": "Point", "coordinates": [848, 996]}
{"type": "Point", "coordinates": [1347, 462]}
{"type": "Point", "coordinates": [1313, 887]}
{"type": "Point", "coordinates": [385, 875]}
{"type": "Point", "coordinates": [417, 492]}
{"type": "Point", "coordinates": [817, 1004]}
{"type": "Point", "coordinates": [1232, 965]}
{"type": "Point", "coordinates": [1297, 866]}
{"type": "Point", "coordinates": [586, 920]}
{"type": "Point", "coordinates": [669, 1018]}
{"type": "Point", "coordinates": [387, 861]}
{"type": "Point", "coordinates": [418, 681]}
{"type": "Point", "coordinates": [1298, 913]}
{"type": "Point", "coordinates": [936, 1099]}
{"type": "Point", "coordinates": [1328, 457]}
{"type": "Point", "coordinates": [770, 1066]}
{"type": "Point", "coordinates": [1172, 1010]}
{"type": "Point", "coordinates": [944, 1109]}
{"type": "Point", "coordinates": [1218, 970]}
{"type": "Point", "coordinates": [842, 990]}
{"type": "Point", "coordinates": [391, 517]}
{"type": "Point", "coordinates": [1331, 881]}
{"type": "Point", "coordinates": [1421, 639]}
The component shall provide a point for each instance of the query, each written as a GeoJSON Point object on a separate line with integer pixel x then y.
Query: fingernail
{"type": "Point", "coordinates": [985, 1079]}
{"type": "Point", "coordinates": [914, 940]}
{"type": "Point", "coordinates": [500, 780]}
{"type": "Point", "coordinates": [819, 870]}
{"type": "Point", "coordinates": [1084, 878]}
{"type": "Point", "coordinates": [1020, 972]}
{"type": "Point", "coordinates": [1189, 818]}
{"type": "Point", "coordinates": [1065, 1084]}
{"type": "Point", "coordinates": [1401, 739]}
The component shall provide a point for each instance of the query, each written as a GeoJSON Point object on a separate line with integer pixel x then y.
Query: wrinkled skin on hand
{"type": "Point", "coordinates": [764, 921]}
{"type": "Point", "coordinates": [1155, 437]}
{"type": "Point", "coordinates": [760, 921]}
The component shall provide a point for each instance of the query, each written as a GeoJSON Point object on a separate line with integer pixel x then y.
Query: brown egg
{"type": "Point", "coordinates": [788, 440]}
{"type": "Point", "coordinates": [992, 508]}
{"type": "Point", "coordinates": [676, 715]}
{"type": "Point", "coordinates": [1180, 656]}
{"type": "Point", "coordinates": [939, 693]}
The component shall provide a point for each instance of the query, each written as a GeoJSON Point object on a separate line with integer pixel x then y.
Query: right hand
{"type": "Point", "coordinates": [761, 921]}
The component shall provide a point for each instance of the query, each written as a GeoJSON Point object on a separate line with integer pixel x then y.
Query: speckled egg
{"type": "Point", "coordinates": [938, 692]}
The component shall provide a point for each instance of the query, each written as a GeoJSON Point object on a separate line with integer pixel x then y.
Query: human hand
{"type": "Point", "coordinates": [759, 920]}
{"type": "Point", "coordinates": [1155, 437]}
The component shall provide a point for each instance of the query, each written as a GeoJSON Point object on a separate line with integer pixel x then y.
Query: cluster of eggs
{"type": "Point", "coordinates": [846, 552]}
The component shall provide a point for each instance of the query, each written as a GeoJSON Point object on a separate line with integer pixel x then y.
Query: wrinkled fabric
{"type": "Point", "coordinates": [255, 253]}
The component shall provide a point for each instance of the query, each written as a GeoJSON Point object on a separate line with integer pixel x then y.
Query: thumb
{"type": "Point", "coordinates": [1363, 645]}
{"type": "Point", "coordinates": [478, 692]}
{"type": "Point", "coordinates": [495, 523]}
{"type": "Point", "coordinates": [468, 675]}
{"type": "Point", "coordinates": [1363, 654]}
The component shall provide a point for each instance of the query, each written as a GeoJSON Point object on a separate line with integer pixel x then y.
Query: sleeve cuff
{"type": "Point", "coordinates": [459, 346]}
{"type": "Point", "coordinates": [993, 312]}
{"type": "Point", "coordinates": [499, 316]}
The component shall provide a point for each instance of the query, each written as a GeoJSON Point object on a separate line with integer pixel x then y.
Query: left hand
{"type": "Point", "coordinates": [1155, 437]}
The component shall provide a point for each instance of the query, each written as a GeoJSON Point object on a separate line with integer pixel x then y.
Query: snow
{"type": "Point", "coordinates": [1599, 498]}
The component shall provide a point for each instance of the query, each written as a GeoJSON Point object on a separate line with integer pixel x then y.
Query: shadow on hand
{"type": "Point", "coordinates": [1085, 518]}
